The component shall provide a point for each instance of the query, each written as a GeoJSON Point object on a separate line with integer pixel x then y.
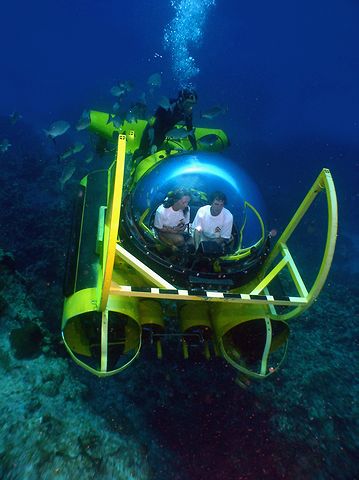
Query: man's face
{"type": "Point", "coordinates": [216, 207]}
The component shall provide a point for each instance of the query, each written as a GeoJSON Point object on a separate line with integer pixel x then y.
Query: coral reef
{"type": "Point", "coordinates": [49, 429]}
{"type": "Point", "coordinates": [26, 341]}
{"type": "Point", "coordinates": [169, 420]}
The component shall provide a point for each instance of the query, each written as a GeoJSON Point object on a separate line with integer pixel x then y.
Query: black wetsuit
{"type": "Point", "coordinates": [165, 120]}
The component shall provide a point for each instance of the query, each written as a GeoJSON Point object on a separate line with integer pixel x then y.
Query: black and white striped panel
{"type": "Point", "coordinates": [198, 294]}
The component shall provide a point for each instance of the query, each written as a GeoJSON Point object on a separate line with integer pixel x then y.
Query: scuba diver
{"type": "Point", "coordinates": [172, 218]}
{"type": "Point", "coordinates": [178, 110]}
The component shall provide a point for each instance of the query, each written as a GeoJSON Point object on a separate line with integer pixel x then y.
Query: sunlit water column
{"type": "Point", "coordinates": [183, 34]}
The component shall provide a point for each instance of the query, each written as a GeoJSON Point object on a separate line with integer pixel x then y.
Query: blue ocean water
{"type": "Point", "coordinates": [288, 73]}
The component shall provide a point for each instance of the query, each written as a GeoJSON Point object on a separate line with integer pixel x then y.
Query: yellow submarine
{"type": "Point", "coordinates": [123, 289]}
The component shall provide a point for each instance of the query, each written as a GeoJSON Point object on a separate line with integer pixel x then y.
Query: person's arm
{"type": "Point", "coordinates": [158, 223]}
{"type": "Point", "coordinates": [226, 231]}
{"type": "Point", "coordinates": [160, 126]}
{"type": "Point", "coordinates": [196, 221]}
{"type": "Point", "coordinates": [189, 127]}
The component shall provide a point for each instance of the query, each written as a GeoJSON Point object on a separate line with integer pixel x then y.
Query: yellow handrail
{"type": "Point", "coordinates": [323, 182]}
{"type": "Point", "coordinates": [112, 222]}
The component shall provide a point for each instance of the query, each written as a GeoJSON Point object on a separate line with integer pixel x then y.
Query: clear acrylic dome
{"type": "Point", "coordinates": [202, 173]}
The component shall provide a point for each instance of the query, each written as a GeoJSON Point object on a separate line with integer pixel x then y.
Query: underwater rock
{"type": "Point", "coordinates": [26, 341]}
{"type": "Point", "coordinates": [7, 261]}
{"type": "Point", "coordinates": [49, 389]}
{"type": "Point", "coordinates": [5, 360]}
{"type": "Point", "coordinates": [3, 304]}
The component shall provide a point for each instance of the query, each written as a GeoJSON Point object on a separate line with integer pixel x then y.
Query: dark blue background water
{"type": "Point", "coordinates": [288, 72]}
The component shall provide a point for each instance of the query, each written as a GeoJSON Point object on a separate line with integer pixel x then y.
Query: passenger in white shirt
{"type": "Point", "coordinates": [172, 217]}
{"type": "Point", "coordinates": [213, 222]}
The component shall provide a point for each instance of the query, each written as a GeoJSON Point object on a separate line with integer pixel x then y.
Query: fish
{"type": "Point", "coordinates": [127, 86]}
{"type": "Point", "coordinates": [67, 173]}
{"type": "Point", "coordinates": [121, 89]}
{"type": "Point", "coordinates": [214, 112]}
{"type": "Point", "coordinates": [116, 120]}
{"type": "Point", "coordinates": [57, 128]}
{"type": "Point", "coordinates": [208, 140]}
{"type": "Point", "coordinates": [116, 107]}
{"type": "Point", "coordinates": [178, 133]}
{"type": "Point", "coordinates": [89, 157]}
{"type": "Point", "coordinates": [84, 122]}
{"type": "Point", "coordinates": [66, 154]}
{"type": "Point", "coordinates": [5, 145]}
{"type": "Point", "coordinates": [117, 91]}
{"type": "Point", "coordinates": [166, 104]}
{"type": "Point", "coordinates": [131, 116]}
{"type": "Point", "coordinates": [137, 111]}
{"type": "Point", "coordinates": [154, 80]}
{"type": "Point", "coordinates": [76, 148]}
{"type": "Point", "coordinates": [243, 381]}
{"type": "Point", "coordinates": [143, 98]}
{"type": "Point", "coordinates": [151, 134]}
{"type": "Point", "coordinates": [15, 117]}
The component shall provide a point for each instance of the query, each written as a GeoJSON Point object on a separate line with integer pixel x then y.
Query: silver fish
{"type": "Point", "coordinates": [66, 154]}
{"type": "Point", "coordinates": [208, 140]}
{"type": "Point", "coordinates": [131, 116]}
{"type": "Point", "coordinates": [151, 134]}
{"type": "Point", "coordinates": [127, 86]}
{"type": "Point", "coordinates": [84, 121]}
{"type": "Point", "coordinates": [116, 107]}
{"type": "Point", "coordinates": [57, 128]}
{"type": "Point", "coordinates": [67, 173]}
{"type": "Point", "coordinates": [76, 148]}
{"type": "Point", "coordinates": [89, 157]}
{"type": "Point", "coordinates": [178, 133]}
{"type": "Point", "coordinates": [116, 120]}
{"type": "Point", "coordinates": [15, 117]}
{"type": "Point", "coordinates": [143, 98]}
{"type": "Point", "coordinates": [214, 112]}
{"type": "Point", "coordinates": [121, 89]}
{"type": "Point", "coordinates": [154, 80]}
{"type": "Point", "coordinates": [139, 110]}
{"type": "Point", "coordinates": [5, 145]}
{"type": "Point", "coordinates": [117, 91]}
{"type": "Point", "coordinates": [165, 103]}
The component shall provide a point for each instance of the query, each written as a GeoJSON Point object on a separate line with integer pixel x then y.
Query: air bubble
{"type": "Point", "coordinates": [181, 35]}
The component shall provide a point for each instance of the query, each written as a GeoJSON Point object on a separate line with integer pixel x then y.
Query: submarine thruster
{"type": "Point", "coordinates": [123, 283]}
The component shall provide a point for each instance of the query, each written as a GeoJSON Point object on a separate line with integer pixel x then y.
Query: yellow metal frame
{"type": "Point", "coordinates": [245, 252]}
{"type": "Point", "coordinates": [112, 223]}
{"type": "Point", "coordinates": [134, 131]}
{"type": "Point", "coordinates": [141, 268]}
{"type": "Point", "coordinates": [264, 371]}
{"type": "Point", "coordinates": [323, 182]}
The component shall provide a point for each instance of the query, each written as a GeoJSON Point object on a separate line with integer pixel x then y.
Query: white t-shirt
{"type": "Point", "coordinates": [167, 217]}
{"type": "Point", "coordinates": [212, 227]}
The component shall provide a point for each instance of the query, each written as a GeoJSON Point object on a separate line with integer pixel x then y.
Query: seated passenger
{"type": "Point", "coordinates": [213, 222]}
{"type": "Point", "coordinates": [172, 218]}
